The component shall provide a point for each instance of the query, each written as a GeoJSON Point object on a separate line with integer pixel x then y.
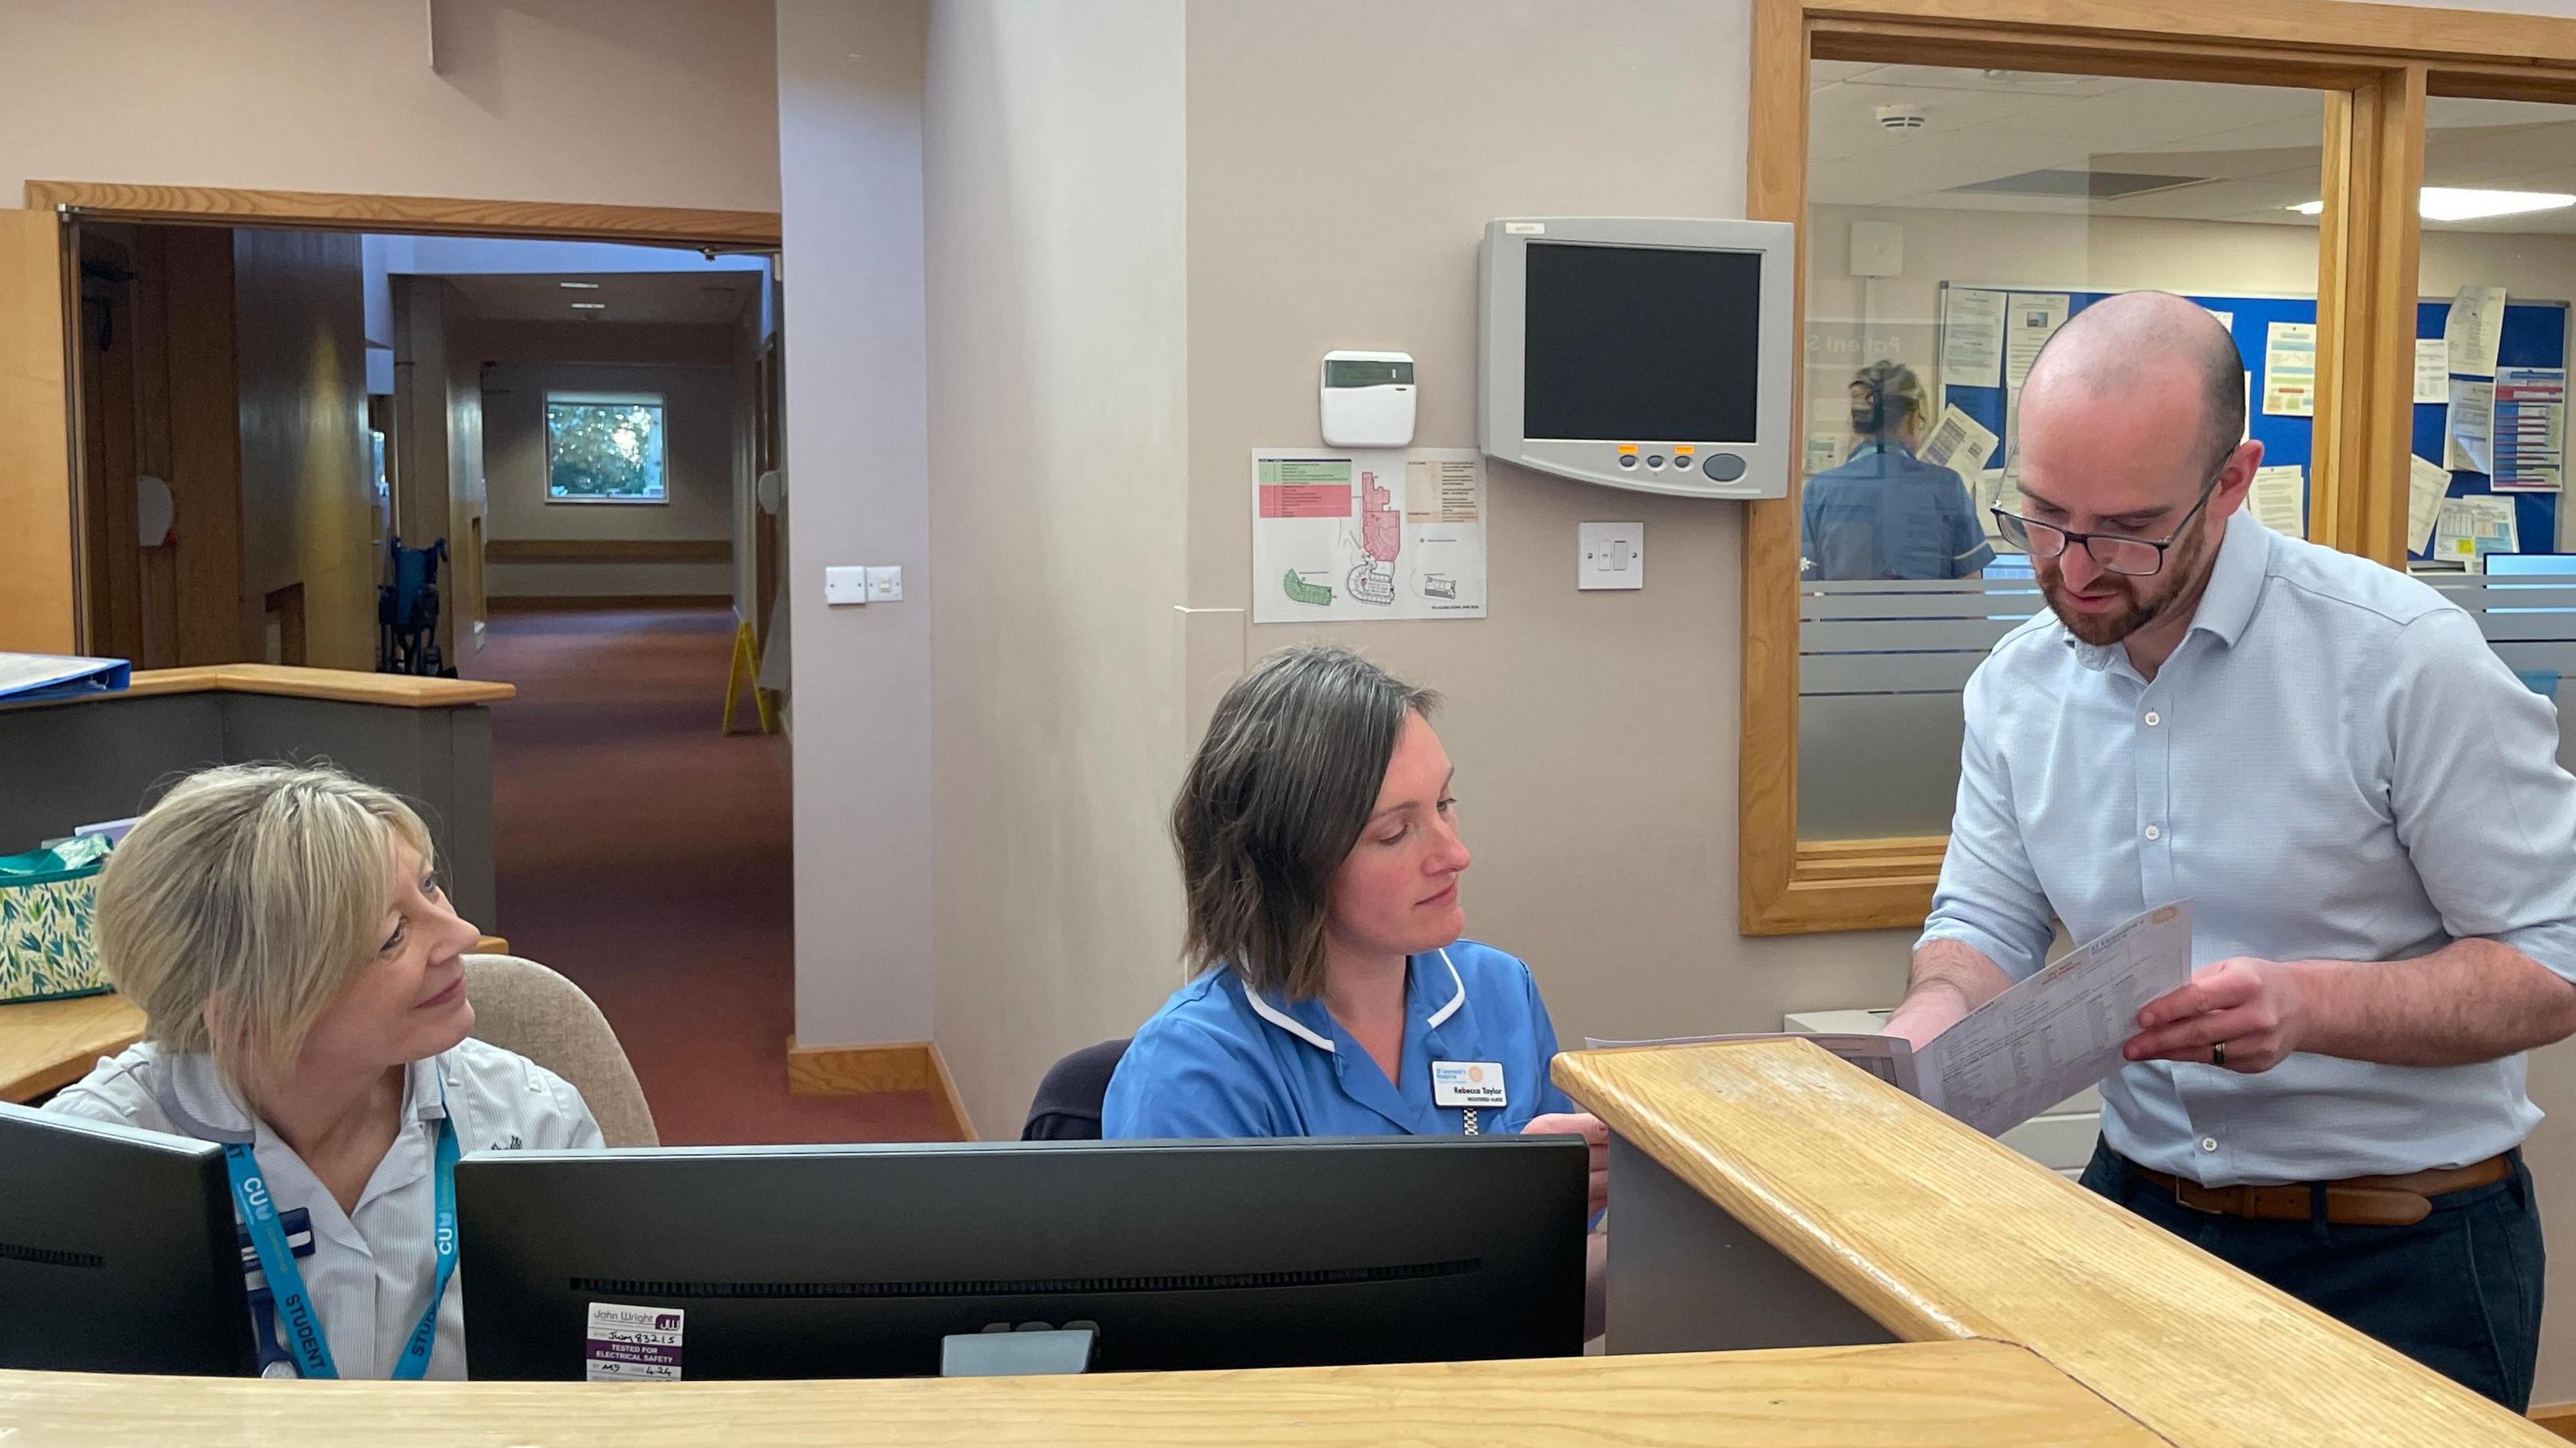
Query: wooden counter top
{"type": "Point", "coordinates": [46, 1045]}
{"type": "Point", "coordinates": [1940, 1234]}
{"type": "Point", "coordinates": [401, 691]}
{"type": "Point", "coordinates": [405, 691]}
{"type": "Point", "coordinates": [1950, 1395]}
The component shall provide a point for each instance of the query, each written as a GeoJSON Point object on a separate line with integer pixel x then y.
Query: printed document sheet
{"type": "Point", "coordinates": [2032, 1046]}
{"type": "Point", "coordinates": [2059, 1031]}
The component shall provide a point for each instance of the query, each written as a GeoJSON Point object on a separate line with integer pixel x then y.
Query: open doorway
{"type": "Point", "coordinates": [578, 431]}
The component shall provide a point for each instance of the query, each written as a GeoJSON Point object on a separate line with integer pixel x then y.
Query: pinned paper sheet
{"type": "Point", "coordinates": [2278, 499]}
{"type": "Point", "coordinates": [2471, 332]}
{"type": "Point", "coordinates": [2471, 528]}
{"type": "Point", "coordinates": [2426, 484]}
{"type": "Point", "coordinates": [2290, 369]}
{"type": "Point", "coordinates": [2530, 429]}
{"type": "Point", "coordinates": [1972, 337]}
{"type": "Point", "coordinates": [2432, 370]}
{"type": "Point", "coordinates": [1960, 443]}
{"type": "Point", "coordinates": [2468, 432]}
{"type": "Point", "coordinates": [2030, 318]}
{"type": "Point", "coordinates": [1998, 488]}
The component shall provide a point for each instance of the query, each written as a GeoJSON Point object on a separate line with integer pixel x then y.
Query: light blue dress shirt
{"type": "Point", "coordinates": [1220, 1061]}
{"type": "Point", "coordinates": [2333, 765]}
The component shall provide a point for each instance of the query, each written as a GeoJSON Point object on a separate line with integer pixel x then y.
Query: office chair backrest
{"type": "Point", "coordinates": [522, 1006]}
{"type": "Point", "coordinates": [1067, 1107]}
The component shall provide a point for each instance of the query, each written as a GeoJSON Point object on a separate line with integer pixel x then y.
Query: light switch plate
{"type": "Point", "coordinates": [885, 583]}
{"type": "Point", "coordinates": [1610, 555]}
{"type": "Point", "coordinates": [845, 585]}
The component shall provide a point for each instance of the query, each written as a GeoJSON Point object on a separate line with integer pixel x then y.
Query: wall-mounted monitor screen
{"type": "Point", "coordinates": [1639, 352]}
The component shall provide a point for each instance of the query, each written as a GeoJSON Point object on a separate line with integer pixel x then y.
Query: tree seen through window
{"type": "Point", "coordinates": [604, 450]}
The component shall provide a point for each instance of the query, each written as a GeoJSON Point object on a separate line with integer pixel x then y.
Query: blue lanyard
{"type": "Point", "coordinates": [286, 1284]}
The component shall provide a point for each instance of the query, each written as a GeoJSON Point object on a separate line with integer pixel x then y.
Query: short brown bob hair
{"type": "Point", "coordinates": [1277, 795]}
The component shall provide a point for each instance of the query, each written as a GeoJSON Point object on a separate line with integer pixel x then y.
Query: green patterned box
{"type": "Point", "coordinates": [47, 950]}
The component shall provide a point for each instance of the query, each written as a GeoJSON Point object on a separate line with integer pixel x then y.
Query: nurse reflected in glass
{"type": "Point", "coordinates": [1885, 513]}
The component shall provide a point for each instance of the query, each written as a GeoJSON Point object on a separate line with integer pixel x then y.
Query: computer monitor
{"type": "Point", "coordinates": [1641, 352]}
{"type": "Point", "coordinates": [118, 1251]}
{"type": "Point", "coordinates": [860, 1261]}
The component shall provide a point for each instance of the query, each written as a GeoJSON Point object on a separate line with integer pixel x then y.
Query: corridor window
{"type": "Point", "coordinates": [604, 448]}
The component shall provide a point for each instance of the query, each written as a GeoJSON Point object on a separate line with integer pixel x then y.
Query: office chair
{"type": "Point", "coordinates": [522, 1006]}
{"type": "Point", "coordinates": [1067, 1107]}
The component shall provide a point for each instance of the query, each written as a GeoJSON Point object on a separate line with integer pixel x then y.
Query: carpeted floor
{"type": "Point", "coordinates": [647, 857]}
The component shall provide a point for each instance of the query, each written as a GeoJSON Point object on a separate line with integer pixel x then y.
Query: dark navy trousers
{"type": "Point", "coordinates": [2458, 1292]}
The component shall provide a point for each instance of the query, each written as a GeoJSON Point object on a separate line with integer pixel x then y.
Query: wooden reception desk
{"type": "Point", "coordinates": [2013, 1309]}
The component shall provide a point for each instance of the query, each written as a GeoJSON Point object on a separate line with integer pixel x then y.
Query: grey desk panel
{"type": "Point", "coordinates": [438, 759]}
{"type": "Point", "coordinates": [80, 762]}
{"type": "Point", "coordinates": [1685, 1276]}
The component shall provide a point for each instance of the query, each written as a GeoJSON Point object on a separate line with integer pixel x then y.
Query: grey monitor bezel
{"type": "Point", "coordinates": [1502, 282]}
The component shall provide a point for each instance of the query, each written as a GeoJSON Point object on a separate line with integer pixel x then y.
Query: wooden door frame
{"type": "Point", "coordinates": [2376, 63]}
{"type": "Point", "coordinates": [47, 560]}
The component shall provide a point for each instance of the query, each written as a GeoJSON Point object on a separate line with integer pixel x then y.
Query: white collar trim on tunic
{"type": "Point", "coordinates": [196, 1098]}
{"type": "Point", "coordinates": [1317, 1039]}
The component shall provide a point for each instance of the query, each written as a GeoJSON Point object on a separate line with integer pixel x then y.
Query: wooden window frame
{"type": "Point", "coordinates": [2375, 63]}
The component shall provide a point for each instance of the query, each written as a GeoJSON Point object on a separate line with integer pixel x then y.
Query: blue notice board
{"type": "Point", "coordinates": [2534, 335]}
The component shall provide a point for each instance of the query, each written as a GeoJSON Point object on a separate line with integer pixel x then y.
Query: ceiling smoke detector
{"type": "Point", "coordinates": [1901, 118]}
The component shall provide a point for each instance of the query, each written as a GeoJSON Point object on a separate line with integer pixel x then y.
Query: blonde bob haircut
{"type": "Point", "coordinates": [242, 904]}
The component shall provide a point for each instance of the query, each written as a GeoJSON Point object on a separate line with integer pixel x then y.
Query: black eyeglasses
{"type": "Point", "coordinates": [2134, 557]}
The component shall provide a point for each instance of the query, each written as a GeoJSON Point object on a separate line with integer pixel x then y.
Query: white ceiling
{"type": "Point", "coordinates": [684, 298]}
{"type": "Point", "coordinates": [2260, 147]}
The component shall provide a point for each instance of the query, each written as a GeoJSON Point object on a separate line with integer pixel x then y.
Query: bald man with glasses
{"type": "Point", "coordinates": [2364, 806]}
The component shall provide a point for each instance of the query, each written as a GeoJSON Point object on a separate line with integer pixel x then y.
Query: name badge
{"type": "Point", "coordinates": [1477, 1084]}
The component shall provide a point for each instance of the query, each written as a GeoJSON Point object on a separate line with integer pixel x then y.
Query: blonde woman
{"type": "Point", "coordinates": [302, 978]}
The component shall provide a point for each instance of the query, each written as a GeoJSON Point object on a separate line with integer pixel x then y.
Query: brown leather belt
{"type": "Point", "coordinates": [2370, 1201]}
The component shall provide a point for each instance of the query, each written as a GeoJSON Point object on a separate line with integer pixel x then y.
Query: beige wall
{"type": "Point", "coordinates": [699, 407]}
{"type": "Point", "coordinates": [643, 102]}
{"type": "Point", "coordinates": [1059, 417]}
{"type": "Point", "coordinates": [306, 495]}
{"type": "Point", "coordinates": [850, 165]}
{"type": "Point", "coordinates": [1595, 733]}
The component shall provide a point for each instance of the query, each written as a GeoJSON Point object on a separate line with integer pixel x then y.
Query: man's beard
{"type": "Point", "coordinates": [2102, 630]}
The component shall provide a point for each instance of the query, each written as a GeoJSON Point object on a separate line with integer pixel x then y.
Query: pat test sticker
{"type": "Point", "coordinates": [1467, 1083]}
{"type": "Point", "coordinates": [633, 1344]}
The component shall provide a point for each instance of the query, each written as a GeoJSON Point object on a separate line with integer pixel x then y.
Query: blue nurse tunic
{"type": "Point", "coordinates": [1221, 1061]}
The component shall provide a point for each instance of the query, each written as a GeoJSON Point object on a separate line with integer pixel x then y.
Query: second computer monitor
{"type": "Point", "coordinates": [860, 1261]}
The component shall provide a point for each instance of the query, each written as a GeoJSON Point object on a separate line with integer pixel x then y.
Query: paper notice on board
{"type": "Point", "coordinates": [1972, 337]}
{"type": "Point", "coordinates": [2426, 483]}
{"type": "Point", "coordinates": [2030, 319]}
{"type": "Point", "coordinates": [1960, 443]}
{"type": "Point", "coordinates": [2224, 319]}
{"type": "Point", "coordinates": [2472, 331]}
{"type": "Point", "coordinates": [2530, 425]}
{"type": "Point", "coordinates": [1997, 488]}
{"type": "Point", "coordinates": [2278, 499]}
{"type": "Point", "coordinates": [2473, 527]}
{"type": "Point", "coordinates": [2290, 369]}
{"type": "Point", "coordinates": [2432, 370]}
{"type": "Point", "coordinates": [2469, 429]}
{"type": "Point", "coordinates": [1368, 534]}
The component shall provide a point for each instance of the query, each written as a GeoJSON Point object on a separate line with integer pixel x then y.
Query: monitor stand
{"type": "Point", "coordinates": [1000, 1352]}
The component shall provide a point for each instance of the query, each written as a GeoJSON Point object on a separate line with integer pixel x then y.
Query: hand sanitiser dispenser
{"type": "Point", "coordinates": [1640, 352]}
{"type": "Point", "coordinates": [1368, 399]}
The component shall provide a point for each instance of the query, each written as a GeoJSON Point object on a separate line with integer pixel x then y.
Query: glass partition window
{"type": "Point", "coordinates": [604, 448]}
{"type": "Point", "coordinates": [1956, 218]}
{"type": "Point", "coordinates": [2486, 520]}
